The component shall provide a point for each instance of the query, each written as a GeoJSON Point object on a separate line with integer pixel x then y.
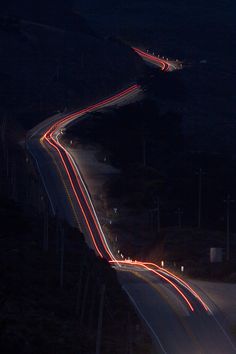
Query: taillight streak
{"type": "Point", "coordinates": [88, 203]}
{"type": "Point", "coordinates": [48, 136]}
{"type": "Point", "coordinates": [76, 195]}
{"type": "Point", "coordinates": [142, 264]}
{"type": "Point", "coordinates": [164, 64]}
{"type": "Point", "coordinates": [181, 281]}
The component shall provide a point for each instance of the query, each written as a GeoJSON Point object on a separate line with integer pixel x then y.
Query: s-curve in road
{"type": "Point", "coordinates": [178, 318]}
{"type": "Point", "coordinates": [161, 63]}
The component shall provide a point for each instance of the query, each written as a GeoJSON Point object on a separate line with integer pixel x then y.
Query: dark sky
{"type": "Point", "coordinates": [35, 9]}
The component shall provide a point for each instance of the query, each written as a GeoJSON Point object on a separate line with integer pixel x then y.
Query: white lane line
{"type": "Point", "coordinates": [224, 331]}
{"type": "Point", "coordinates": [208, 299]}
{"type": "Point", "coordinates": [143, 317]}
{"type": "Point", "coordinates": [44, 183]}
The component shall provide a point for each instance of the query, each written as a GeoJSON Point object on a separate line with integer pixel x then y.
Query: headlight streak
{"type": "Point", "coordinates": [51, 137]}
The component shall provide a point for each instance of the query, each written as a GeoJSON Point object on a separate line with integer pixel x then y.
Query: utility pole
{"type": "Point", "coordinates": [85, 297]}
{"type": "Point", "coordinates": [64, 68]}
{"type": "Point", "coordinates": [130, 336]}
{"type": "Point", "coordinates": [7, 159]}
{"type": "Point", "coordinates": [44, 210]}
{"type": "Point", "coordinates": [157, 211]}
{"type": "Point", "coordinates": [200, 174]}
{"type": "Point", "coordinates": [100, 319]}
{"type": "Point", "coordinates": [3, 129]}
{"type": "Point", "coordinates": [62, 259]}
{"type": "Point", "coordinates": [144, 153]}
{"type": "Point", "coordinates": [228, 202]}
{"type": "Point", "coordinates": [13, 181]}
{"type": "Point", "coordinates": [45, 243]}
{"type": "Point", "coordinates": [58, 70]}
{"type": "Point", "coordinates": [79, 288]}
{"type": "Point", "coordinates": [158, 216]}
{"type": "Point", "coordinates": [45, 223]}
{"type": "Point", "coordinates": [150, 220]}
{"type": "Point", "coordinates": [92, 306]}
{"type": "Point", "coordinates": [179, 212]}
{"type": "Point", "coordinates": [58, 233]}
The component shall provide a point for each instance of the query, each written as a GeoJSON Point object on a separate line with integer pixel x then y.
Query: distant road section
{"type": "Point", "coordinates": [163, 64]}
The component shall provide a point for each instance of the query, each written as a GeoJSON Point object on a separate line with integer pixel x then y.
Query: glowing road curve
{"type": "Point", "coordinates": [190, 302]}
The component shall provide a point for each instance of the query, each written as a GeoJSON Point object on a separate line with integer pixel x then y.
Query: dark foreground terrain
{"type": "Point", "coordinates": [40, 316]}
{"type": "Point", "coordinates": [51, 291]}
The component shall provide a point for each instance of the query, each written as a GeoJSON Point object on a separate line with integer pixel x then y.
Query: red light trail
{"type": "Point", "coordinates": [143, 265]}
{"type": "Point", "coordinates": [86, 206]}
{"type": "Point", "coordinates": [164, 64]}
{"type": "Point", "coordinates": [161, 63]}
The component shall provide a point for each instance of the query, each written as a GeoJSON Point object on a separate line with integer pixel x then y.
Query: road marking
{"type": "Point", "coordinates": [216, 320]}
{"type": "Point", "coordinates": [44, 183]}
{"type": "Point", "coordinates": [143, 317]}
{"type": "Point", "coordinates": [224, 331]}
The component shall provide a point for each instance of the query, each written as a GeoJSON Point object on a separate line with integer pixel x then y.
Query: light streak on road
{"type": "Point", "coordinates": [143, 265]}
{"type": "Point", "coordinates": [88, 201]}
{"type": "Point", "coordinates": [181, 281]}
{"type": "Point", "coordinates": [144, 319]}
{"type": "Point", "coordinates": [85, 204]}
{"type": "Point", "coordinates": [51, 137]}
{"type": "Point", "coordinates": [164, 64]}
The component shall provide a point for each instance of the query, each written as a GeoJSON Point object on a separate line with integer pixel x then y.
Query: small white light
{"type": "Point", "coordinates": [182, 269]}
{"type": "Point", "coordinates": [162, 264]}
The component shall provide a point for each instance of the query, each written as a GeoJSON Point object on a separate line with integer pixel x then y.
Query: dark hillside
{"type": "Point", "coordinates": [56, 13]}
{"type": "Point", "coordinates": [203, 34]}
{"type": "Point", "coordinates": [40, 316]}
{"type": "Point", "coordinates": [46, 306]}
{"type": "Point", "coordinates": [43, 11]}
{"type": "Point", "coordinates": [52, 65]}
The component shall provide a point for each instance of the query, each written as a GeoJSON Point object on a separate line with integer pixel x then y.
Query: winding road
{"type": "Point", "coordinates": [164, 64]}
{"type": "Point", "coordinates": [178, 317]}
